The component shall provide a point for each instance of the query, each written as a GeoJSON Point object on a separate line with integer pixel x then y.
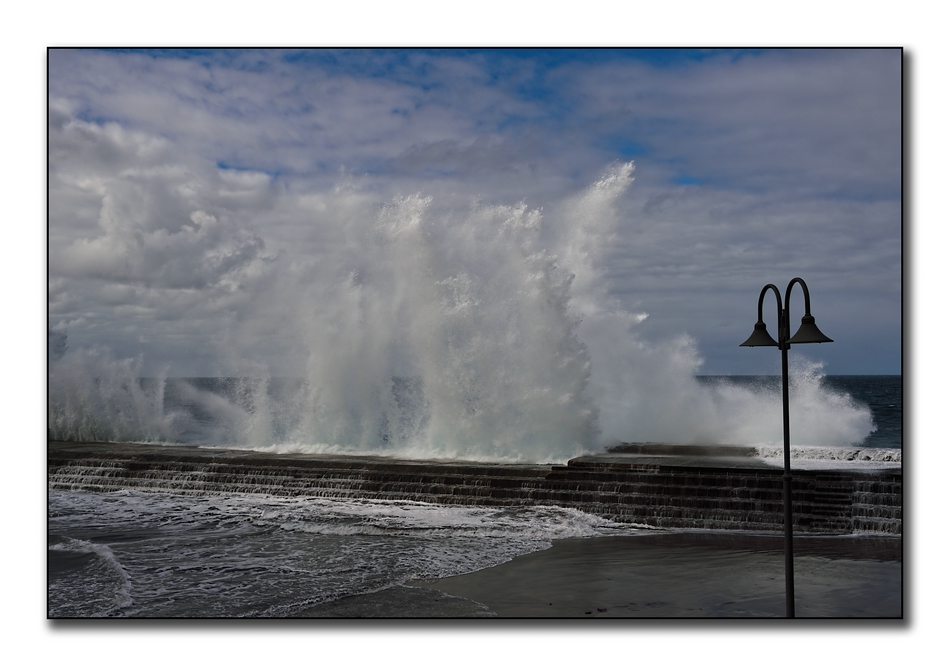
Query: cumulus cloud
{"type": "Point", "coordinates": [184, 190]}
{"type": "Point", "coordinates": [165, 216]}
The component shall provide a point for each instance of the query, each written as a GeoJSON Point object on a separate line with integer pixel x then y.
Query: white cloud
{"type": "Point", "coordinates": [203, 186]}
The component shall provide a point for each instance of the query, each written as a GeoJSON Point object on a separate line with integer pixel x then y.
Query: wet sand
{"type": "Point", "coordinates": [676, 575]}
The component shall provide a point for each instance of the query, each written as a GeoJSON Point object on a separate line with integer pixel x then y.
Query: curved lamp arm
{"type": "Point", "coordinates": [760, 336]}
{"type": "Point", "coordinates": [788, 294]}
{"type": "Point", "coordinates": [778, 301]}
{"type": "Point", "coordinates": [807, 332]}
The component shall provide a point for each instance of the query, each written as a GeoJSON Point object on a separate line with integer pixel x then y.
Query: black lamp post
{"type": "Point", "coordinates": [808, 332]}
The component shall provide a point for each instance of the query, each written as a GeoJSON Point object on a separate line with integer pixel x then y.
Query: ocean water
{"type": "Point", "coordinates": [151, 554]}
{"type": "Point", "coordinates": [884, 395]}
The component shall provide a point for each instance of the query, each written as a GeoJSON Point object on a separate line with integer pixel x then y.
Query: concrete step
{"type": "Point", "coordinates": [664, 495]}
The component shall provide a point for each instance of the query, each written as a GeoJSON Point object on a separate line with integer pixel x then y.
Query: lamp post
{"type": "Point", "coordinates": [807, 333]}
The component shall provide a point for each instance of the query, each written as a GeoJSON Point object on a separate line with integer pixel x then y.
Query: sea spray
{"type": "Point", "coordinates": [450, 338]}
{"type": "Point", "coordinates": [649, 391]}
{"type": "Point", "coordinates": [425, 330]}
{"type": "Point", "coordinates": [96, 397]}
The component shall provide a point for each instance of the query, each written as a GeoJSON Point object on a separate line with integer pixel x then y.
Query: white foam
{"type": "Point", "coordinates": [227, 555]}
{"type": "Point", "coordinates": [122, 594]}
{"type": "Point", "coordinates": [824, 457]}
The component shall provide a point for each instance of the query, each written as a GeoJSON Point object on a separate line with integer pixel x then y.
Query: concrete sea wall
{"type": "Point", "coordinates": [657, 485]}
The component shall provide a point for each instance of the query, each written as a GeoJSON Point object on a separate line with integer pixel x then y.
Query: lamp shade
{"type": "Point", "coordinates": [760, 337]}
{"type": "Point", "coordinates": [808, 332]}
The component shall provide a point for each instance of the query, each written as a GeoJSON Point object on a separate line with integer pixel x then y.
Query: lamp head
{"type": "Point", "coordinates": [760, 337]}
{"type": "Point", "coordinates": [808, 332]}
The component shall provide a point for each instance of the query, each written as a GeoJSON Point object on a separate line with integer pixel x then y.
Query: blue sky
{"type": "Point", "coordinates": [751, 166]}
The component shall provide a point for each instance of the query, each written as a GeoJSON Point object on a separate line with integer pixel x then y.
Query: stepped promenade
{"type": "Point", "coordinates": [660, 485]}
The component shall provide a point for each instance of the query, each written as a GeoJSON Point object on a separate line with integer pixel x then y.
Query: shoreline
{"type": "Point", "coordinates": [689, 575]}
{"type": "Point", "coordinates": [657, 575]}
{"type": "Point", "coordinates": [678, 570]}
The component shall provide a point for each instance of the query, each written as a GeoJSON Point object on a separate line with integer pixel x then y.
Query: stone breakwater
{"type": "Point", "coordinates": [665, 486]}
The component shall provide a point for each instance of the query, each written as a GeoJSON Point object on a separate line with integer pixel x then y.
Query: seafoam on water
{"type": "Point", "coordinates": [151, 554]}
{"type": "Point", "coordinates": [830, 457]}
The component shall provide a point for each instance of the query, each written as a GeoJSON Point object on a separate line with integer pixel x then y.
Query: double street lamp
{"type": "Point", "coordinates": [807, 333]}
